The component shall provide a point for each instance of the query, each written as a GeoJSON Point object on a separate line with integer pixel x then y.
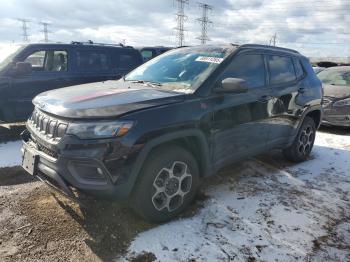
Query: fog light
{"type": "Point", "coordinates": [87, 172]}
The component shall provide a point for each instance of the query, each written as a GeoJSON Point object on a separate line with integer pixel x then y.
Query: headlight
{"type": "Point", "coordinates": [344, 102]}
{"type": "Point", "coordinates": [96, 130]}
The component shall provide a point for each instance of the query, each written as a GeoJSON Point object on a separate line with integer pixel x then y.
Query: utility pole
{"type": "Point", "coordinates": [205, 22]}
{"type": "Point", "coordinates": [45, 31]}
{"type": "Point", "coordinates": [180, 19]}
{"type": "Point", "coordinates": [24, 29]}
{"type": "Point", "coordinates": [273, 39]}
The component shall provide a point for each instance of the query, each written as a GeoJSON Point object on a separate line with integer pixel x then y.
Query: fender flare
{"type": "Point", "coordinates": [302, 117]}
{"type": "Point", "coordinates": [150, 145]}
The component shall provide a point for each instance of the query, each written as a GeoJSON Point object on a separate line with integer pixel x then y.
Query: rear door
{"type": "Point", "coordinates": [240, 121]}
{"type": "Point", "coordinates": [125, 60]}
{"type": "Point", "coordinates": [284, 76]}
{"type": "Point", "coordinates": [92, 65]}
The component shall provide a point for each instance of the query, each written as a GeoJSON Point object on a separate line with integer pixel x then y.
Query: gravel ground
{"type": "Point", "coordinates": [259, 210]}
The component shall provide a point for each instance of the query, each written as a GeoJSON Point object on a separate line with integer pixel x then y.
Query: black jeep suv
{"type": "Point", "coordinates": [35, 68]}
{"type": "Point", "coordinates": [153, 135]}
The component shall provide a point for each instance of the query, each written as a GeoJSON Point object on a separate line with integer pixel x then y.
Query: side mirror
{"type": "Point", "coordinates": [232, 85]}
{"type": "Point", "coordinates": [22, 68]}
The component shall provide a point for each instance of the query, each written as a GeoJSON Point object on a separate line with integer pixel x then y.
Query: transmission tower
{"type": "Point", "coordinates": [273, 40]}
{"type": "Point", "coordinates": [180, 19]}
{"type": "Point", "coordinates": [24, 29]}
{"type": "Point", "coordinates": [205, 22]}
{"type": "Point", "coordinates": [45, 31]}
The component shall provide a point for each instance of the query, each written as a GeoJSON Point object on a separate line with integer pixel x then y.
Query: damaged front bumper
{"type": "Point", "coordinates": [336, 116]}
{"type": "Point", "coordinates": [72, 166]}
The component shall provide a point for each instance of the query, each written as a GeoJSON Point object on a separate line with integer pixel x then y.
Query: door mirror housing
{"type": "Point", "coordinates": [22, 68]}
{"type": "Point", "coordinates": [232, 85]}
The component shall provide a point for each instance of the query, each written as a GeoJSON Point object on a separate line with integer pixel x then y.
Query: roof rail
{"type": "Point", "coordinates": [89, 42]}
{"type": "Point", "coordinates": [269, 46]}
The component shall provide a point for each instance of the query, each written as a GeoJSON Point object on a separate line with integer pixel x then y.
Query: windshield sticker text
{"type": "Point", "coordinates": [209, 59]}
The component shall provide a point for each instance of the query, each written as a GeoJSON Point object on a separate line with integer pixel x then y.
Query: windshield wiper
{"type": "Point", "coordinates": [145, 82]}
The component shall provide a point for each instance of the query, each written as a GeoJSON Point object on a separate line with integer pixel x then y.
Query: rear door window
{"type": "Point", "coordinates": [93, 61]}
{"type": "Point", "coordinates": [281, 69]}
{"type": "Point", "coordinates": [249, 67]}
{"type": "Point", "coordinates": [127, 60]}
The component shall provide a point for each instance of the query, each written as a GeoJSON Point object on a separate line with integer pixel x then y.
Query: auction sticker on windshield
{"type": "Point", "coordinates": [209, 59]}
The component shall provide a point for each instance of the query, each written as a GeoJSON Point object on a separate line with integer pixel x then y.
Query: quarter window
{"type": "Point", "coordinates": [249, 67]}
{"type": "Point", "coordinates": [281, 69]}
{"type": "Point", "coordinates": [147, 54]}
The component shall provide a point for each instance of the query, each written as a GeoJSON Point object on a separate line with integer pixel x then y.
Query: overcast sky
{"type": "Point", "coordinates": [315, 27]}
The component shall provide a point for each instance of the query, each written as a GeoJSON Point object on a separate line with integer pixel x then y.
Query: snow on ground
{"type": "Point", "coordinates": [10, 154]}
{"type": "Point", "coordinates": [266, 209]}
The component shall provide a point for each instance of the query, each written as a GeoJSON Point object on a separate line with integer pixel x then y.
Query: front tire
{"type": "Point", "coordinates": [301, 148]}
{"type": "Point", "coordinates": [167, 184]}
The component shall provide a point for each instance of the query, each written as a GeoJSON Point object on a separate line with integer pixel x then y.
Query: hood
{"type": "Point", "coordinates": [336, 91]}
{"type": "Point", "coordinates": [103, 99]}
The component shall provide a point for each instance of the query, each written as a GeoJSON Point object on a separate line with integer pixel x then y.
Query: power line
{"type": "Point", "coordinates": [45, 31]}
{"type": "Point", "coordinates": [24, 29]}
{"type": "Point", "coordinates": [204, 20]}
{"type": "Point", "coordinates": [180, 19]}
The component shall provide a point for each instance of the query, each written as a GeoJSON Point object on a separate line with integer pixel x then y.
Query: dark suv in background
{"type": "Point", "coordinates": [149, 52]}
{"type": "Point", "coordinates": [153, 135]}
{"type": "Point", "coordinates": [36, 68]}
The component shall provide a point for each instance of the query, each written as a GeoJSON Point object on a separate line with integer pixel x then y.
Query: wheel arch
{"type": "Point", "coordinates": [316, 116]}
{"type": "Point", "coordinates": [192, 140]}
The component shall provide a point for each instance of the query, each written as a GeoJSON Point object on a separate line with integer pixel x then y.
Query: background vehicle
{"type": "Point", "coordinates": [152, 51]}
{"type": "Point", "coordinates": [153, 135]}
{"type": "Point", "coordinates": [318, 69]}
{"type": "Point", "coordinates": [36, 68]}
{"type": "Point", "coordinates": [336, 101]}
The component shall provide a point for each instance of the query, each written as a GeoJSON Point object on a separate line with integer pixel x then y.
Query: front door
{"type": "Point", "coordinates": [240, 123]}
{"type": "Point", "coordinates": [49, 71]}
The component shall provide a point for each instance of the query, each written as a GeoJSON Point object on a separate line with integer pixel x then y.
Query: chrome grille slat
{"type": "Point", "coordinates": [48, 125]}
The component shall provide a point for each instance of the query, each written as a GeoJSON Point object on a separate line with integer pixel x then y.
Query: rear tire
{"type": "Point", "coordinates": [301, 148]}
{"type": "Point", "coordinates": [167, 184]}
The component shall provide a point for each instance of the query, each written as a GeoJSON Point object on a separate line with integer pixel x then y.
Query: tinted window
{"type": "Point", "coordinates": [281, 69]}
{"type": "Point", "coordinates": [249, 67]}
{"type": "Point", "coordinates": [92, 60]}
{"type": "Point", "coordinates": [127, 61]}
{"type": "Point", "coordinates": [298, 68]}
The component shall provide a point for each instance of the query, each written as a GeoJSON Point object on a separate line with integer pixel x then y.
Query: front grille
{"type": "Point", "coordinates": [47, 151]}
{"type": "Point", "coordinates": [48, 125]}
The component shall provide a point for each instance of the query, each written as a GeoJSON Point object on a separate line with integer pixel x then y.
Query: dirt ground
{"type": "Point", "coordinates": [37, 225]}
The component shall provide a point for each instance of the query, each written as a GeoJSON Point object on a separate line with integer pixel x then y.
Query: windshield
{"type": "Point", "coordinates": [7, 53]}
{"type": "Point", "coordinates": [182, 70]}
{"type": "Point", "coordinates": [335, 76]}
